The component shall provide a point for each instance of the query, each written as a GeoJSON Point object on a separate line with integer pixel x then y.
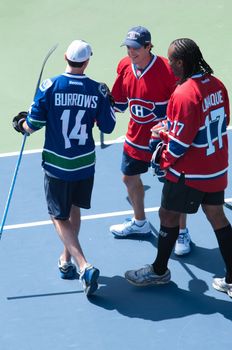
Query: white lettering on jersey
{"type": "Point", "coordinates": [73, 99]}
{"type": "Point", "coordinates": [212, 100]}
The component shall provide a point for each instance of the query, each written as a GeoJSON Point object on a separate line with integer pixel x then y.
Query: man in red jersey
{"type": "Point", "coordinates": [144, 84]}
{"type": "Point", "coordinates": [194, 161]}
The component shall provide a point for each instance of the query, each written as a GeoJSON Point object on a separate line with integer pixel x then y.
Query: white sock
{"type": "Point", "coordinates": [139, 222]}
{"type": "Point", "coordinates": [183, 231]}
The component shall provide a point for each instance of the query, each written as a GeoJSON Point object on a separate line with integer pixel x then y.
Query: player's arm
{"type": "Point", "coordinates": [35, 118]}
{"type": "Point", "coordinates": [105, 117]}
{"type": "Point", "coordinates": [185, 124]}
{"type": "Point", "coordinates": [118, 89]}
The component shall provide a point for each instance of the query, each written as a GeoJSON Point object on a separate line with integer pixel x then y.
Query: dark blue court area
{"type": "Point", "coordinates": [40, 311]}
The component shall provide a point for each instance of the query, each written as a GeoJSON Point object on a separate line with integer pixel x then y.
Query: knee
{"type": "Point", "coordinates": [132, 181]}
{"type": "Point", "coordinates": [168, 218]}
{"type": "Point", "coordinates": [126, 180]}
{"type": "Point", "coordinates": [216, 216]}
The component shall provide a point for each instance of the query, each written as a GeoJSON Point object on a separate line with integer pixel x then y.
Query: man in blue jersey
{"type": "Point", "coordinates": [69, 105]}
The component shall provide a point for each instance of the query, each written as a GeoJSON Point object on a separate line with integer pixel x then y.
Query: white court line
{"type": "Point", "coordinates": [12, 154]}
{"type": "Point", "coordinates": [88, 217]}
{"type": "Point", "coordinates": [85, 217]}
{"type": "Point", "coordinates": [120, 139]}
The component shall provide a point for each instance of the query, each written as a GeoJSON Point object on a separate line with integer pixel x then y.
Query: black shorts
{"type": "Point", "coordinates": [184, 199]}
{"type": "Point", "coordinates": [131, 166]}
{"type": "Point", "coordinates": [61, 195]}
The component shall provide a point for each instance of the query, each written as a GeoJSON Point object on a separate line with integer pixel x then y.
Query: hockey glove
{"type": "Point", "coordinates": [155, 162]}
{"type": "Point", "coordinates": [155, 137]}
{"type": "Point", "coordinates": [106, 92]}
{"type": "Point", "coordinates": [18, 121]}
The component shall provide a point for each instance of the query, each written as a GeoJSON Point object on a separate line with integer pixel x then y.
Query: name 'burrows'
{"type": "Point", "coordinates": [212, 100]}
{"type": "Point", "coordinates": [73, 99]}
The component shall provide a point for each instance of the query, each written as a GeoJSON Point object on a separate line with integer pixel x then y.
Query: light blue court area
{"type": "Point", "coordinates": [41, 311]}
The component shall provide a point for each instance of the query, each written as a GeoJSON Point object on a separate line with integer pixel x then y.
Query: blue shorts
{"type": "Point", "coordinates": [185, 199]}
{"type": "Point", "coordinates": [61, 195]}
{"type": "Point", "coordinates": [131, 166]}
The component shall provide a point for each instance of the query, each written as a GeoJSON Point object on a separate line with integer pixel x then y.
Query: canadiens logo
{"type": "Point", "coordinates": [142, 111]}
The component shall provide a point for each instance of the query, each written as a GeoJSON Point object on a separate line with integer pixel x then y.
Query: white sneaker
{"type": "Point", "coordinates": [183, 244]}
{"type": "Point", "coordinates": [146, 276]}
{"type": "Point", "coordinates": [221, 285]}
{"type": "Point", "coordinates": [129, 228]}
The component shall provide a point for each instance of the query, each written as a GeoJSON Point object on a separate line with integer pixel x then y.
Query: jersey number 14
{"type": "Point", "coordinates": [79, 130]}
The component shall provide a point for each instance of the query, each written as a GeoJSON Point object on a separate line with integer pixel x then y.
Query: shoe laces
{"type": "Point", "coordinates": [65, 265]}
{"type": "Point", "coordinates": [144, 271]}
{"type": "Point", "coordinates": [181, 238]}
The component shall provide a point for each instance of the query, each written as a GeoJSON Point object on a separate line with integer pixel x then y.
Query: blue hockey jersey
{"type": "Point", "coordinates": [69, 106]}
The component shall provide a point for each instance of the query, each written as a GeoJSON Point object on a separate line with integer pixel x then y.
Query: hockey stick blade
{"type": "Point", "coordinates": [52, 49]}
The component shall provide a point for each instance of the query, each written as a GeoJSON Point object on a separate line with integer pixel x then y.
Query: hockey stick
{"type": "Point", "coordinates": [52, 49]}
{"type": "Point", "coordinates": [101, 139]}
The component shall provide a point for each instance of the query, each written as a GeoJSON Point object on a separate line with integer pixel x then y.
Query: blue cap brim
{"type": "Point", "coordinates": [131, 43]}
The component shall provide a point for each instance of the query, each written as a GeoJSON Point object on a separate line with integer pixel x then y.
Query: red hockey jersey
{"type": "Point", "coordinates": [146, 95]}
{"type": "Point", "coordinates": [198, 114]}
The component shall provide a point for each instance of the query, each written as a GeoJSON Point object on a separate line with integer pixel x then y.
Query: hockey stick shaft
{"type": "Point", "coordinates": [12, 185]}
{"type": "Point", "coordinates": [101, 138]}
{"type": "Point", "coordinates": [52, 49]}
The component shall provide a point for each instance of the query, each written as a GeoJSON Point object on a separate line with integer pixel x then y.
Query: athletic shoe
{"type": "Point", "coordinates": [221, 285]}
{"type": "Point", "coordinates": [146, 276]}
{"type": "Point", "coordinates": [183, 244]}
{"type": "Point", "coordinates": [130, 228]}
{"type": "Point", "coordinates": [67, 269]}
{"type": "Point", "coordinates": [89, 277]}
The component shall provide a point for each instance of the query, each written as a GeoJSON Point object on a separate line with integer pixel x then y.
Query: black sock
{"type": "Point", "coordinates": [224, 238]}
{"type": "Point", "coordinates": [166, 241]}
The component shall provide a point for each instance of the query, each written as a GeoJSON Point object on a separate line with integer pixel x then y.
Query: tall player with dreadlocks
{"type": "Point", "coordinates": [194, 160]}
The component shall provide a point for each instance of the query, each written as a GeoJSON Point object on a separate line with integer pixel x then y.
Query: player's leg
{"type": "Point", "coordinates": [69, 236]}
{"type": "Point", "coordinates": [64, 201]}
{"type": "Point", "coordinates": [223, 231]}
{"type": "Point", "coordinates": [183, 242]}
{"type": "Point", "coordinates": [75, 223]}
{"type": "Point", "coordinates": [138, 225]}
{"type": "Point", "coordinates": [176, 199]}
{"type": "Point", "coordinates": [136, 195]}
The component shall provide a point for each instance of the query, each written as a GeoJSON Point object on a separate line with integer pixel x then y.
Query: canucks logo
{"type": "Point", "coordinates": [104, 90]}
{"type": "Point", "coordinates": [45, 84]}
{"type": "Point", "coordinates": [143, 112]}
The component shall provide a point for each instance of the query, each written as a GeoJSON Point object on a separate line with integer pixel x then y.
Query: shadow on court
{"type": "Point", "coordinates": [203, 258]}
{"type": "Point", "coordinates": [159, 302]}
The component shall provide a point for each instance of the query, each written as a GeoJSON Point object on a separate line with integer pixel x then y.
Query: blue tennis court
{"type": "Point", "coordinates": [41, 311]}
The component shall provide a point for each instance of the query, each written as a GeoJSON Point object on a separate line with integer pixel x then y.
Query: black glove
{"type": "Point", "coordinates": [106, 92]}
{"type": "Point", "coordinates": [18, 121]}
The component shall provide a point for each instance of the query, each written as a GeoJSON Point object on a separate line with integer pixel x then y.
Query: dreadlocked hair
{"type": "Point", "coordinates": [193, 61]}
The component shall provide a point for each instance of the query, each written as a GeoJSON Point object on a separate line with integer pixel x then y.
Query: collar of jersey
{"type": "Point", "coordinates": [198, 75]}
{"type": "Point", "coordinates": [75, 76]}
{"type": "Point", "coordinates": [150, 64]}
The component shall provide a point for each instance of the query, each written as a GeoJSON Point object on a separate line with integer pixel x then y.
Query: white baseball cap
{"type": "Point", "coordinates": [78, 51]}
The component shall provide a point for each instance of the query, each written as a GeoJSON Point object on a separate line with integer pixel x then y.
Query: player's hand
{"type": "Point", "coordinates": [161, 126]}
{"type": "Point", "coordinates": [106, 91]}
{"type": "Point", "coordinates": [155, 162]}
{"type": "Point", "coordinates": [155, 136]}
{"type": "Point", "coordinates": [18, 121]}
